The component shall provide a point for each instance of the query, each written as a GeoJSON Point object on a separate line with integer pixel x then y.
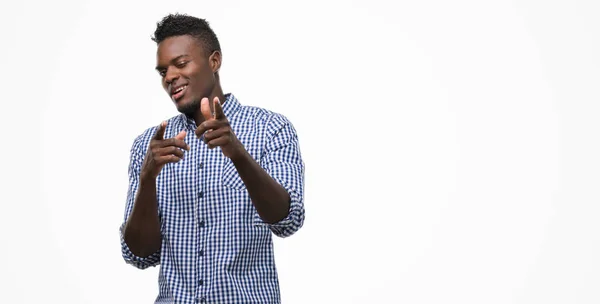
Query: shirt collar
{"type": "Point", "coordinates": [230, 107]}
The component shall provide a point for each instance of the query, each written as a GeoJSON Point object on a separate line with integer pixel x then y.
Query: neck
{"type": "Point", "coordinates": [217, 92]}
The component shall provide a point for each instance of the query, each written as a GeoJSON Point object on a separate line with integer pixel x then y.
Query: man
{"type": "Point", "coordinates": [209, 187]}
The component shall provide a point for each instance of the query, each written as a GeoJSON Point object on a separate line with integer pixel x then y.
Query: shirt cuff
{"type": "Point", "coordinates": [131, 258]}
{"type": "Point", "coordinates": [292, 222]}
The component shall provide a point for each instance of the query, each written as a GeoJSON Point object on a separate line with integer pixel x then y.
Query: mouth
{"type": "Point", "coordinates": [178, 92]}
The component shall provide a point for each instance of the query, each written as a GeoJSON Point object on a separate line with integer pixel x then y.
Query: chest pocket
{"type": "Point", "coordinates": [230, 177]}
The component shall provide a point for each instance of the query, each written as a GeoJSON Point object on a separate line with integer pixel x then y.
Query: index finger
{"type": "Point", "coordinates": [160, 133]}
{"type": "Point", "coordinates": [218, 109]}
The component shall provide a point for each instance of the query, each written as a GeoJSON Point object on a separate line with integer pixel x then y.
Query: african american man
{"type": "Point", "coordinates": [210, 186]}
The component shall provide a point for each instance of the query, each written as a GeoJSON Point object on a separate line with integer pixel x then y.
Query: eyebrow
{"type": "Point", "coordinates": [158, 67]}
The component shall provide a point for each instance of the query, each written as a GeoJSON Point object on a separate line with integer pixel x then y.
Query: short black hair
{"type": "Point", "coordinates": [182, 24]}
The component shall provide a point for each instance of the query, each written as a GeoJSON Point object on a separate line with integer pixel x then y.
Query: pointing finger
{"type": "Point", "coordinates": [161, 130]}
{"type": "Point", "coordinates": [218, 109]}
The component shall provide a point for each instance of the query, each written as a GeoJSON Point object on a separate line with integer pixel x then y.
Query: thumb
{"type": "Point", "coordinates": [160, 133]}
{"type": "Point", "coordinates": [205, 109]}
{"type": "Point", "coordinates": [181, 135]}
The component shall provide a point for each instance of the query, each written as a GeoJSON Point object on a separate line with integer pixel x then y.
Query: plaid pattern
{"type": "Point", "coordinates": [215, 247]}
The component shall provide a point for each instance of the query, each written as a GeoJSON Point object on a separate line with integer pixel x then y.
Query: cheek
{"type": "Point", "coordinates": [163, 83]}
{"type": "Point", "coordinates": [203, 83]}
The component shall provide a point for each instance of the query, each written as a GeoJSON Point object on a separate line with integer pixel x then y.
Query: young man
{"type": "Point", "coordinates": [209, 187]}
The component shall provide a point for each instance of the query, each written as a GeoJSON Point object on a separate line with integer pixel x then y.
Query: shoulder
{"type": "Point", "coordinates": [262, 117]}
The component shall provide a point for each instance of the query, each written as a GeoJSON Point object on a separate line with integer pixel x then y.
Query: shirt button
{"type": "Point", "coordinates": [201, 253]}
{"type": "Point", "coordinates": [200, 165]}
{"type": "Point", "coordinates": [201, 194]}
{"type": "Point", "coordinates": [201, 282]}
{"type": "Point", "coordinates": [201, 224]}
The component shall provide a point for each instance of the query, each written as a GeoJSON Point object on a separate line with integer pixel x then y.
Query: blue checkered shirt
{"type": "Point", "coordinates": [215, 247]}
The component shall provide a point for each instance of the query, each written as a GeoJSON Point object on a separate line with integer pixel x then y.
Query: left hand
{"type": "Point", "coordinates": [217, 131]}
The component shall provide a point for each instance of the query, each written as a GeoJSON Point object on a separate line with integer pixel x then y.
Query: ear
{"type": "Point", "coordinates": [215, 61]}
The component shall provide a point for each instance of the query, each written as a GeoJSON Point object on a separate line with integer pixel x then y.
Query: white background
{"type": "Point", "coordinates": [452, 147]}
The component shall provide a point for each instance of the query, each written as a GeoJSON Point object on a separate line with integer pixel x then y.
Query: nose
{"type": "Point", "coordinates": [171, 75]}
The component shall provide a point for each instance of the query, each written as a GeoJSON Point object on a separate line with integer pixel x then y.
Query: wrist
{"type": "Point", "coordinates": [240, 157]}
{"type": "Point", "coordinates": [147, 178]}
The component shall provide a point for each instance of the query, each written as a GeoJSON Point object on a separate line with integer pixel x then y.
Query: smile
{"type": "Point", "coordinates": [178, 93]}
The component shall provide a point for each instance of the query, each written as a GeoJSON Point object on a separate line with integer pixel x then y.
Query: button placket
{"type": "Point", "coordinates": [199, 218]}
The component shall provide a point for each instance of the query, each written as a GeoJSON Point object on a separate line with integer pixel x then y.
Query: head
{"type": "Point", "coordinates": [188, 60]}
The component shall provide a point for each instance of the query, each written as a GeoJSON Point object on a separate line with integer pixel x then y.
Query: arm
{"type": "Point", "coordinates": [283, 163]}
{"type": "Point", "coordinates": [140, 198]}
{"type": "Point", "coordinates": [275, 186]}
{"type": "Point", "coordinates": [271, 200]}
{"type": "Point", "coordinates": [142, 228]}
{"type": "Point", "coordinates": [141, 237]}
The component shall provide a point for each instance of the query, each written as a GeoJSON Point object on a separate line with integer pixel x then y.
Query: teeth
{"type": "Point", "coordinates": [180, 89]}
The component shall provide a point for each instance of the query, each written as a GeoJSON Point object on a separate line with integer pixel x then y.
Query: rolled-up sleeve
{"type": "Point", "coordinates": [283, 162]}
{"type": "Point", "coordinates": [135, 164]}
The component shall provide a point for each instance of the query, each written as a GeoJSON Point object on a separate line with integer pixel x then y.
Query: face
{"type": "Point", "coordinates": [188, 72]}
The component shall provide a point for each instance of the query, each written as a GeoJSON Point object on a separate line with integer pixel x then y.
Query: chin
{"type": "Point", "coordinates": [188, 106]}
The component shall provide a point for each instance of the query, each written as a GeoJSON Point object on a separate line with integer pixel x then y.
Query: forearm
{"type": "Point", "coordinates": [270, 199]}
{"type": "Point", "coordinates": [142, 230]}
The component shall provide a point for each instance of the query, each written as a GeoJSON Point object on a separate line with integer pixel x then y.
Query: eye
{"type": "Point", "coordinates": [181, 64]}
{"type": "Point", "coordinates": [162, 72]}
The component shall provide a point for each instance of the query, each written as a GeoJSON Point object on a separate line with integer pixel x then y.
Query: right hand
{"type": "Point", "coordinates": [162, 151]}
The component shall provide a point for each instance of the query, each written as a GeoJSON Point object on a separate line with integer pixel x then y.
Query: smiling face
{"type": "Point", "coordinates": [188, 72]}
